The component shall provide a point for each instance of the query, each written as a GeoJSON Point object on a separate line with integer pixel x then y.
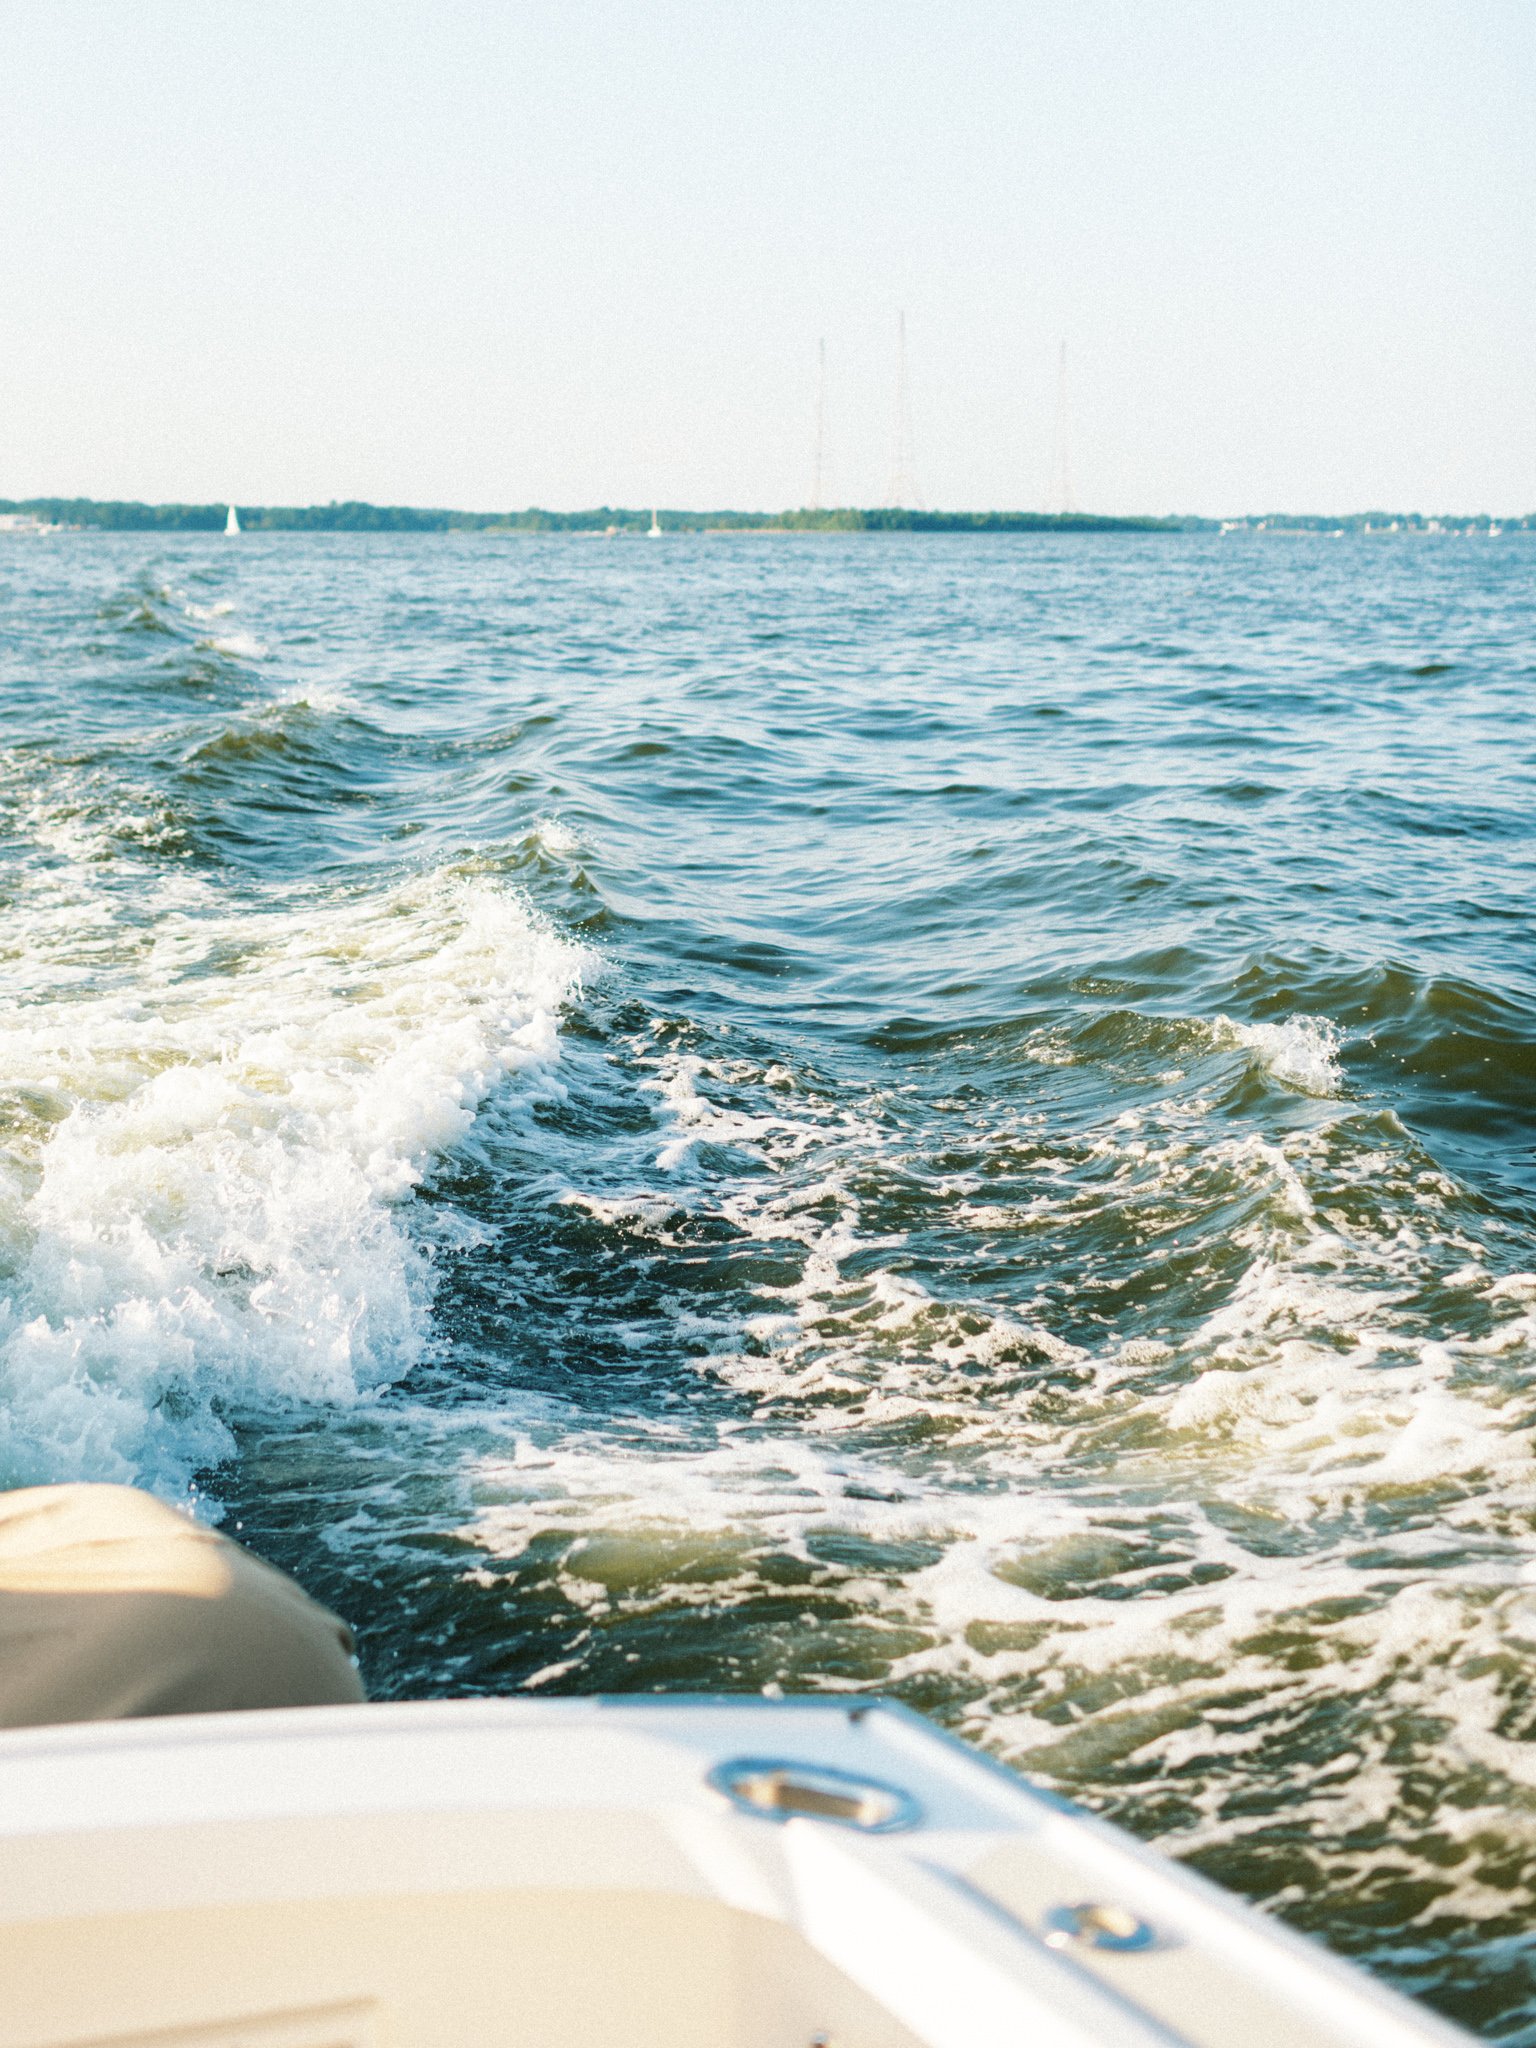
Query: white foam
{"type": "Point", "coordinates": [558, 838]}
{"type": "Point", "coordinates": [698, 1120]}
{"type": "Point", "coordinates": [329, 699]}
{"type": "Point", "coordinates": [1301, 1052]}
{"type": "Point", "coordinates": [1127, 1542]}
{"type": "Point", "coordinates": [211, 1211]}
{"type": "Point", "coordinates": [239, 646]}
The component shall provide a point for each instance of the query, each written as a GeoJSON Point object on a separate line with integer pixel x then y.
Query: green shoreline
{"type": "Point", "coordinates": [127, 516]}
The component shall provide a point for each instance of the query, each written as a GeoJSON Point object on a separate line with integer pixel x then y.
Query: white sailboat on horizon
{"type": "Point", "coordinates": [654, 530]}
{"type": "Point", "coordinates": [232, 523]}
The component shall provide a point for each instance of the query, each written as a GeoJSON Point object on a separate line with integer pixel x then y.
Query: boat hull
{"type": "Point", "coordinates": [637, 1871]}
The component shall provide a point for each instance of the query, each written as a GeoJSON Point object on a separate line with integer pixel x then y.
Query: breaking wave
{"type": "Point", "coordinates": [208, 1169]}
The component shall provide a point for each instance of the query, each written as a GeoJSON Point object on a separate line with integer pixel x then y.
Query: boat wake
{"type": "Point", "coordinates": [210, 1156]}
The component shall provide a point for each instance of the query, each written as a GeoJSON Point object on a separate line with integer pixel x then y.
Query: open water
{"type": "Point", "coordinates": [951, 1116]}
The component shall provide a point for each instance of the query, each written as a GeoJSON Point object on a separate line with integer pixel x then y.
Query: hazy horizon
{"type": "Point", "coordinates": [1457, 513]}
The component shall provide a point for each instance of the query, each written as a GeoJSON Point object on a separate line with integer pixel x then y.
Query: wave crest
{"type": "Point", "coordinates": [210, 1216]}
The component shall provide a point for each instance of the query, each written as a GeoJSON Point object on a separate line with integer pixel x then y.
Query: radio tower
{"type": "Point", "coordinates": [903, 490]}
{"type": "Point", "coordinates": [1061, 499]}
{"type": "Point", "coordinates": [819, 474]}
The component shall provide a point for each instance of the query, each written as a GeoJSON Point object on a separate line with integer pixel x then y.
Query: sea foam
{"type": "Point", "coordinates": [206, 1177]}
{"type": "Point", "coordinates": [1300, 1052]}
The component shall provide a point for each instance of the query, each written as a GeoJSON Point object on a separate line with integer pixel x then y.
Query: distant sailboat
{"type": "Point", "coordinates": [232, 523]}
{"type": "Point", "coordinates": [655, 527]}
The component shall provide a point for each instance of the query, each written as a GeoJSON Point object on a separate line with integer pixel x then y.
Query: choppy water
{"type": "Point", "coordinates": [948, 1116]}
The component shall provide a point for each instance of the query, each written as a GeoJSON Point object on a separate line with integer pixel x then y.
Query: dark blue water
{"type": "Point", "coordinates": [952, 1116]}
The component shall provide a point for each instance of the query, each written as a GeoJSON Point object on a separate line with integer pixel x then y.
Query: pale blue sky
{"type": "Point", "coordinates": [563, 253]}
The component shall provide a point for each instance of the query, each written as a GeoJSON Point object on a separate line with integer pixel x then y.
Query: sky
{"type": "Point", "coordinates": [577, 252]}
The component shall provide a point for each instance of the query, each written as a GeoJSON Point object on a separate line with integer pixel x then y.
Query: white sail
{"type": "Point", "coordinates": [232, 523]}
{"type": "Point", "coordinates": [655, 528]}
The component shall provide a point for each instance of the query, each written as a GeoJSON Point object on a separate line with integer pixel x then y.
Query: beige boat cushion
{"type": "Point", "coordinates": [113, 1604]}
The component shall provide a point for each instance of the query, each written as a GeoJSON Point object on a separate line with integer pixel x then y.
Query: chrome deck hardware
{"type": "Point", "coordinates": [1094, 1925]}
{"type": "Point", "coordinates": [777, 1788]}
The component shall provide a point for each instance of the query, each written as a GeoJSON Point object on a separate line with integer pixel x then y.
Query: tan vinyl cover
{"type": "Point", "coordinates": [113, 1604]}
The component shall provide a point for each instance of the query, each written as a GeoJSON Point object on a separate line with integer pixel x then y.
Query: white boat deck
{"type": "Point", "coordinates": [651, 1872]}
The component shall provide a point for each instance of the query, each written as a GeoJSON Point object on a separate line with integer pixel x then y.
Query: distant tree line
{"type": "Point", "coordinates": [126, 516]}
{"type": "Point", "coordinates": [350, 516]}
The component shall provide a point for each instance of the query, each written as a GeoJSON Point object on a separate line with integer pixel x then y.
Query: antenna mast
{"type": "Point", "coordinates": [1061, 496]}
{"type": "Point", "coordinates": [903, 490]}
{"type": "Point", "coordinates": [819, 475]}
